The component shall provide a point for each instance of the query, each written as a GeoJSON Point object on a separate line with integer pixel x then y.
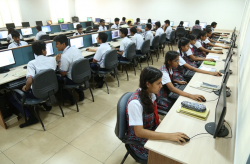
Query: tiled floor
{"type": "Point", "coordinates": [86, 137]}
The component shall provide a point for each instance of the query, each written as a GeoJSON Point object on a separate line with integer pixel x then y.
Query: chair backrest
{"type": "Point", "coordinates": [130, 51]}
{"type": "Point", "coordinates": [89, 28]}
{"type": "Point", "coordinates": [162, 39]}
{"type": "Point", "coordinates": [81, 71]}
{"type": "Point", "coordinates": [45, 84]}
{"type": "Point", "coordinates": [145, 48]}
{"type": "Point", "coordinates": [155, 42]}
{"type": "Point", "coordinates": [121, 122]}
{"type": "Point", "coordinates": [172, 36]}
{"type": "Point", "coordinates": [196, 31]}
{"type": "Point", "coordinates": [44, 37]}
{"type": "Point", "coordinates": [111, 60]}
{"type": "Point", "coordinates": [180, 31]}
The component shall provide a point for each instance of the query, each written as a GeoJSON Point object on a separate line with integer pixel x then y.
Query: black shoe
{"type": "Point", "coordinates": [81, 95]}
{"type": "Point", "coordinates": [72, 101]}
{"type": "Point", "coordinates": [47, 108]}
{"type": "Point", "coordinates": [32, 120]}
{"type": "Point", "coordinates": [100, 84]}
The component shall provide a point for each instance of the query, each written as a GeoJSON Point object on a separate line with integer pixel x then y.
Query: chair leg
{"type": "Point", "coordinates": [60, 108]}
{"type": "Point", "coordinates": [93, 83]}
{"type": "Point", "coordinates": [38, 116]}
{"type": "Point", "coordinates": [151, 57]}
{"type": "Point", "coordinates": [117, 80]}
{"type": "Point", "coordinates": [61, 90]}
{"type": "Point", "coordinates": [91, 94]}
{"type": "Point", "coordinates": [126, 72]}
{"type": "Point", "coordinates": [122, 68]}
{"type": "Point", "coordinates": [147, 62]}
{"type": "Point", "coordinates": [75, 100]}
{"type": "Point", "coordinates": [125, 157]}
{"type": "Point", "coordinates": [107, 85]}
{"type": "Point", "coordinates": [172, 46]}
{"type": "Point", "coordinates": [134, 70]}
{"type": "Point", "coordinates": [24, 114]}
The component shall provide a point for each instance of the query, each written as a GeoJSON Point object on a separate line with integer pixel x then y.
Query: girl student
{"type": "Point", "coordinates": [208, 41]}
{"type": "Point", "coordinates": [171, 62]}
{"type": "Point", "coordinates": [178, 73]}
{"type": "Point", "coordinates": [142, 115]}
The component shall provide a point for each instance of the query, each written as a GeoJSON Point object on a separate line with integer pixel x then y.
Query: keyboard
{"type": "Point", "coordinates": [189, 74]}
{"type": "Point", "coordinates": [16, 83]}
{"type": "Point", "coordinates": [175, 96]}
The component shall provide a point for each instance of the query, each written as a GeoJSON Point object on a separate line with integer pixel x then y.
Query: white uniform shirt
{"type": "Point", "coordinates": [69, 55]}
{"type": "Point", "coordinates": [181, 61]}
{"type": "Point", "coordinates": [198, 43]}
{"type": "Point", "coordinates": [14, 44]}
{"type": "Point", "coordinates": [114, 26]}
{"type": "Point", "coordinates": [149, 35]}
{"type": "Point", "coordinates": [212, 30]}
{"type": "Point", "coordinates": [77, 33]}
{"type": "Point", "coordinates": [159, 31]}
{"type": "Point", "coordinates": [99, 55]}
{"type": "Point", "coordinates": [138, 40]}
{"type": "Point", "coordinates": [102, 28]}
{"type": "Point", "coordinates": [168, 32]}
{"type": "Point", "coordinates": [206, 41]}
{"type": "Point", "coordinates": [189, 52]}
{"type": "Point", "coordinates": [9, 37]}
{"type": "Point", "coordinates": [135, 112]}
{"type": "Point", "coordinates": [124, 43]}
{"type": "Point", "coordinates": [166, 77]}
{"type": "Point", "coordinates": [39, 34]}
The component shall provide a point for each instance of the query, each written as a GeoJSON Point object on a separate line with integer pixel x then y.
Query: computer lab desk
{"type": "Point", "coordinates": [202, 149]}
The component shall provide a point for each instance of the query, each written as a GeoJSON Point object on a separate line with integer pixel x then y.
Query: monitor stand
{"type": "Point", "coordinates": [210, 128]}
{"type": "Point", "coordinates": [95, 45]}
{"type": "Point", "coordinates": [63, 30]}
{"type": "Point", "coordinates": [223, 72]}
{"type": "Point", "coordinates": [228, 94]}
{"type": "Point", "coordinates": [114, 40]}
{"type": "Point", "coordinates": [225, 60]}
{"type": "Point", "coordinates": [4, 70]}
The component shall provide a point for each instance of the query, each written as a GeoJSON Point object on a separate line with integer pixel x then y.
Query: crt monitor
{"type": "Point", "coordinates": [94, 36]}
{"type": "Point", "coordinates": [107, 20]}
{"type": "Point", "coordinates": [60, 20]}
{"type": "Point", "coordinates": [46, 28]}
{"type": "Point", "coordinates": [7, 58]}
{"type": "Point", "coordinates": [25, 24]}
{"type": "Point", "coordinates": [64, 26]}
{"type": "Point", "coordinates": [10, 25]}
{"type": "Point", "coordinates": [3, 34]}
{"type": "Point", "coordinates": [26, 31]}
{"type": "Point", "coordinates": [39, 23]}
{"type": "Point", "coordinates": [75, 24]}
{"type": "Point", "coordinates": [171, 23]}
{"type": "Point", "coordinates": [129, 31]}
{"type": "Point", "coordinates": [203, 24]}
{"type": "Point", "coordinates": [127, 19]}
{"type": "Point", "coordinates": [88, 24]}
{"type": "Point", "coordinates": [75, 19]}
{"type": "Point", "coordinates": [97, 20]}
{"type": "Point", "coordinates": [144, 21]}
{"type": "Point", "coordinates": [186, 24]}
{"type": "Point", "coordinates": [77, 42]}
{"type": "Point", "coordinates": [49, 49]}
{"type": "Point", "coordinates": [115, 34]}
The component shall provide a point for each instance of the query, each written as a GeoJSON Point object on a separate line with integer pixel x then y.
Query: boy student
{"type": "Point", "coordinates": [129, 23]}
{"type": "Point", "coordinates": [39, 33]}
{"type": "Point", "coordinates": [123, 20]}
{"type": "Point", "coordinates": [124, 43]}
{"type": "Point", "coordinates": [9, 37]}
{"type": "Point", "coordinates": [16, 40]}
{"type": "Point", "coordinates": [137, 21]}
{"type": "Point", "coordinates": [158, 28]}
{"type": "Point", "coordinates": [148, 34]}
{"type": "Point", "coordinates": [99, 56]}
{"type": "Point", "coordinates": [79, 30]}
{"type": "Point", "coordinates": [116, 25]}
{"type": "Point", "coordinates": [137, 39]}
{"type": "Point", "coordinates": [213, 26]}
{"type": "Point", "coordinates": [34, 66]}
{"type": "Point", "coordinates": [197, 25]}
{"type": "Point", "coordinates": [65, 63]}
{"type": "Point", "coordinates": [102, 26]}
{"type": "Point", "coordinates": [168, 29]}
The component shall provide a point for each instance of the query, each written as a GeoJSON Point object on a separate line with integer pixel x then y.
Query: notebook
{"type": "Point", "coordinates": [207, 69]}
{"type": "Point", "coordinates": [192, 113]}
{"type": "Point", "coordinates": [216, 58]}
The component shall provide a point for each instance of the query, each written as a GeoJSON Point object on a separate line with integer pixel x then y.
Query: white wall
{"type": "Point", "coordinates": [225, 12]}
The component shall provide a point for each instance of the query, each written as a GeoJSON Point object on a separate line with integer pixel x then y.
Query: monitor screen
{"type": "Point", "coordinates": [140, 27]}
{"type": "Point", "coordinates": [49, 22]}
{"type": "Point", "coordinates": [39, 23]}
{"type": "Point", "coordinates": [94, 36]}
{"type": "Point", "coordinates": [186, 24]}
{"type": "Point", "coordinates": [107, 20]}
{"type": "Point", "coordinates": [203, 24]}
{"type": "Point", "coordinates": [26, 31]}
{"type": "Point", "coordinates": [46, 28]}
{"type": "Point", "coordinates": [171, 23]}
{"type": "Point", "coordinates": [115, 34]}
{"type": "Point", "coordinates": [128, 31]}
{"type": "Point", "coordinates": [88, 24]}
{"type": "Point", "coordinates": [144, 21]}
{"type": "Point", "coordinates": [60, 20]}
{"type": "Point", "coordinates": [89, 18]}
{"type": "Point", "coordinates": [129, 20]}
{"type": "Point", "coordinates": [49, 49]}
{"type": "Point", "coordinates": [97, 19]}
{"type": "Point", "coordinates": [3, 34]}
{"type": "Point", "coordinates": [75, 24]}
{"type": "Point", "coordinates": [76, 42]}
{"type": "Point", "coordinates": [64, 26]}
{"type": "Point", "coordinates": [25, 24]}
{"type": "Point", "coordinates": [7, 58]}
{"type": "Point", "coordinates": [8, 25]}
{"type": "Point", "coordinates": [75, 19]}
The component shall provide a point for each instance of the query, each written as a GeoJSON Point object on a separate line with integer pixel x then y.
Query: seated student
{"type": "Point", "coordinates": [168, 29]}
{"type": "Point", "coordinates": [39, 33]}
{"type": "Point", "coordinates": [79, 30]}
{"type": "Point", "coordinates": [99, 56]}
{"type": "Point", "coordinates": [142, 115]}
{"type": "Point", "coordinates": [123, 20]}
{"type": "Point", "coordinates": [130, 23]}
{"type": "Point", "coordinates": [65, 63]}
{"type": "Point", "coordinates": [34, 66]}
{"type": "Point", "coordinates": [9, 37]}
{"type": "Point", "coordinates": [95, 28]}
{"type": "Point", "coordinates": [149, 21]}
{"type": "Point", "coordinates": [180, 25]}
{"type": "Point", "coordinates": [124, 43]}
{"type": "Point", "coordinates": [137, 21]}
{"type": "Point", "coordinates": [208, 40]}
{"type": "Point", "coordinates": [198, 47]}
{"type": "Point", "coordinates": [171, 62]}
{"type": "Point", "coordinates": [213, 26]}
{"type": "Point", "coordinates": [116, 25]}
{"type": "Point", "coordinates": [148, 34]}
{"type": "Point", "coordinates": [197, 25]}
{"type": "Point", "coordinates": [102, 26]}
{"type": "Point", "coordinates": [16, 40]}
{"type": "Point", "coordinates": [158, 28]}
{"type": "Point", "coordinates": [137, 39]}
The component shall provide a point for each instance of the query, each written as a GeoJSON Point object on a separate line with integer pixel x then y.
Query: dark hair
{"type": "Point", "coordinates": [197, 22]}
{"type": "Point", "coordinates": [213, 24]}
{"type": "Point", "coordinates": [158, 24]}
{"type": "Point", "coordinates": [133, 30]}
{"type": "Point", "coordinates": [95, 26]}
{"type": "Point", "coordinates": [38, 46]}
{"type": "Point", "coordinates": [138, 20]}
{"type": "Point", "coordinates": [117, 19]}
{"type": "Point", "coordinates": [78, 26]}
{"type": "Point", "coordinates": [10, 30]}
{"type": "Point", "coordinates": [191, 36]}
{"type": "Point", "coordinates": [167, 22]}
{"type": "Point", "coordinates": [102, 20]}
{"type": "Point", "coordinates": [103, 36]}
{"type": "Point", "coordinates": [208, 30]}
{"type": "Point", "coordinates": [170, 56]}
{"type": "Point", "coordinates": [15, 34]}
{"type": "Point", "coordinates": [124, 31]}
{"type": "Point", "coordinates": [181, 23]}
{"type": "Point", "coordinates": [182, 42]}
{"type": "Point", "coordinates": [148, 74]}
{"type": "Point", "coordinates": [129, 22]}
{"type": "Point", "coordinates": [149, 26]}
{"type": "Point", "coordinates": [39, 28]}
{"type": "Point", "coordinates": [149, 21]}
{"type": "Point", "coordinates": [202, 33]}
{"type": "Point", "coordinates": [61, 39]}
{"type": "Point", "coordinates": [123, 19]}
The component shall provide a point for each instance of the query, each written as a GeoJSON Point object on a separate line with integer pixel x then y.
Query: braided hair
{"type": "Point", "coordinates": [182, 42]}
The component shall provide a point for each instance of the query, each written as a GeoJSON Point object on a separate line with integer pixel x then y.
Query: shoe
{"type": "Point", "coordinates": [47, 108]}
{"type": "Point", "coordinates": [100, 84]}
{"type": "Point", "coordinates": [81, 95]}
{"type": "Point", "coordinates": [72, 101]}
{"type": "Point", "coordinates": [32, 120]}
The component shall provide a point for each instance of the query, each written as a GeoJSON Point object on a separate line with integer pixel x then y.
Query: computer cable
{"type": "Point", "coordinates": [197, 135]}
{"type": "Point", "coordinates": [212, 100]}
{"type": "Point", "coordinates": [230, 130]}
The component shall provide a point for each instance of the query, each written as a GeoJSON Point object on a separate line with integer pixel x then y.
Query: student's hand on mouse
{"type": "Point", "coordinates": [58, 57]}
{"type": "Point", "coordinates": [178, 137]}
{"type": "Point", "coordinates": [216, 73]}
{"type": "Point", "coordinates": [197, 97]}
{"type": "Point", "coordinates": [219, 52]}
{"type": "Point", "coordinates": [24, 88]}
{"type": "Point", "coordinates": [210, 60]}
{"type": "Point", "coordinates": [181, 82]}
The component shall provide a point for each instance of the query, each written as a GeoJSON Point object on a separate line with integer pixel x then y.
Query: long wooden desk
{"type": "Point", "coordinates": [202, 149]}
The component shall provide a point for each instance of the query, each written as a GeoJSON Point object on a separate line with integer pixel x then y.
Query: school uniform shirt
{"type": "Point", "coordinates": [124, 43]}
{"type": "Point", "coordinates": [69, 55]}
{"type": "Point", "coordinates": [9, 37]}
{"type": "Point", "coordinates": [181, 61]}
{"type": "Point", "coordinates": [102, 28]}
{"type": "Point", "coordinates": [198, 43]}
{"type": "Point", "coordinates": [159, 31]}
{"type": "Point", "coordinates": [138, 40]}
{"type": "Point", "coordinates": [137, 23]}
{"type": "Point", "coordinates": [197, 27]}
{"type": "Point", "coordinates": [149, 35]}
{"type": "Point", "coordinates": [206, 41]}
{"type": "Point", "coordinates": [122, 22]}
{"type": "Point", "coordinates": [77, 33]}
{"type": "Point", "coordinates": [99, 55]}
{"type": "Point", "coordinates": [39, 34]}
{"type": "Point", "coordinates": [114, 26]}
{"type": "Point", "coordinates": [212, 30]}
{"type": "Point", "coordinates": [189, 52]}
{"type": "Point", "coordinates": [135, 111]}
{"type": "Point", "coordinates": [168, 32]}
{"type": "Point", "coordinates": [14, 44]}
{"type": "Point", "coordinates": [166, 77]}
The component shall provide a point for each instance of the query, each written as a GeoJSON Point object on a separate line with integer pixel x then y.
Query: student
{"type": "Point", "coordinates": [168, 29]}
{"type": "Point", "coordinates": [124, 43]}
{"type": "Point", "coordinates": [129, 23]}
{"type": "Point", "coordinates": [197, 25]}
{"type": "Point", "coordinates": [9, 37]}
{"type": "Point", "coordinates": [102, 26]}
{"type": "Point", "coordinates": [171, 62]}
{"type": "Point", "coordinates": [137, 39]}
{"type": "Point", "coordinates": [116, 25]}
{"type": "Point", "coordinates": [148, 34]}
{"type": "Point", "coordinates": [16, 40]}
{"type": "Point", "coordinates": [213, 26]}
{"type": "Point", "coordinates": [99, 56]}
{"type": "Point", "coordinates": [65, 63]}
{"type": "Point", "coordinates": [39, 33]}
{"type": "Point", "coordinates": [149, 21]}
{"type": "Point", "coordinates": [142, 115]}
{"type": "Point", "coordinates": [181, 24]}
{"type": "Point", "coordinates": [137, 21]}
{"type": "Point", "coordinates": [123, 20]}
{"type": "Point", "coordinates": [42, 62]}
{"type": "Point", "coordinates": [208, 40]}
{"type": "Point", "coordinates": [158, 28]}
{"type": "Point", "coordinates": [79, 30]}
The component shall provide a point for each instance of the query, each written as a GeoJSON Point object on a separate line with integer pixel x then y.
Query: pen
{"type": "Point", "coordinates": [5, 75]}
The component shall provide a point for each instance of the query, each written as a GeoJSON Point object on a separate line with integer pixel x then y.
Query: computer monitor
{"type": "Point", "coordinates": [26, 31]}
{"type": "Point", "coordinates": [203, 24]}
{"type": "Point", "coordinates": [75, 24]}
{"type": "Point", "coordinates": [10, 25]}
{"type": "Point", "coordinates": [49, 49]}
{"type": "Point", "coordinates": [3, 34]}
{"type": "Point", "coordinates": [129, 20]}
{"type": "Point", "coordinates": [46, 28]}
{"type": "Point", "coordinates": [77, 42]}
{"type": "Point", "coordinates": [171, 23]}
{"type": "Point", "coordinates": [64, 27]}
{"type": "Point", "coordinates": [97, 20]}
{"type": "Point", "coordinates": [39, 23]}
{"type": "Point", "coordinates": [115, 34]}
{"type": "Point", "coordinates": [89, 18]}
{"type": "Point", "coordinates": [144, 21]}
{"type": "Point", "coordinates": [139, 27]}
{"type": "Point", "coordinates": [88, 24]}
{"type": "Point", "coordinates": [7, 58]}
{"type": "Point", "coordinates": [25, 24]}
{"type": "Point", "coordinates": [49, 22]}
{"type": "Point", "coordinates": [186, 24]}
{"type": "Point", "coordinates": [129, 31]}
{"type": "Point", "coordinates": [228, 60]}
{"type": "Point", "coordinates": [94, 36]}
{"type": "Point", "coordinates": [107, 20]}
{"type": "Point", "coordinates": [75, 19]}
{"type": "Point", "coordinates": [60, 20]}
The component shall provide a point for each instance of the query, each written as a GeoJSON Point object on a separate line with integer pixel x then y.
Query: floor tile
{"type": "Point", "coordinates": [110, 118]}
{"type": "Point", "coordinates": [4, 159]}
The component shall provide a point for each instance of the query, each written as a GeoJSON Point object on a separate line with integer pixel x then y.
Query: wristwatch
{"type": "Point", "coordinates": [58, 61]}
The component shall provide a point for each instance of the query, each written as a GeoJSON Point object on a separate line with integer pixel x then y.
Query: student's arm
{"type": "Point", "coordinates": [92, 50]}
{"type": "Point", "coordinates": [201, 71]}
{"type": "Point", "coordinates": [120, 52]}
{"type": "Point", "coordinates": [210, 51]}
{"type": "Point", "coordinates": [211, 40]}
{"type": "Point", "coordinates": [194, 58]}
{"type": "Point", "coordinates": [214, 45]}
{"type": "Point", "coordinates": [28, 84]}
{"type": "Point", "coordinates": [59, 63]}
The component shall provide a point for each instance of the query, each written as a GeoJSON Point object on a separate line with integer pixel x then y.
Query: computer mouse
{"type": "Point", "coordinates": [87, 49]}
{"type": "Point", "coordinates": [203, 100]}
{"type": "Point", "coordinates": [25, 67]}
{"type": "Point", "coordinates": [187, 140]}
